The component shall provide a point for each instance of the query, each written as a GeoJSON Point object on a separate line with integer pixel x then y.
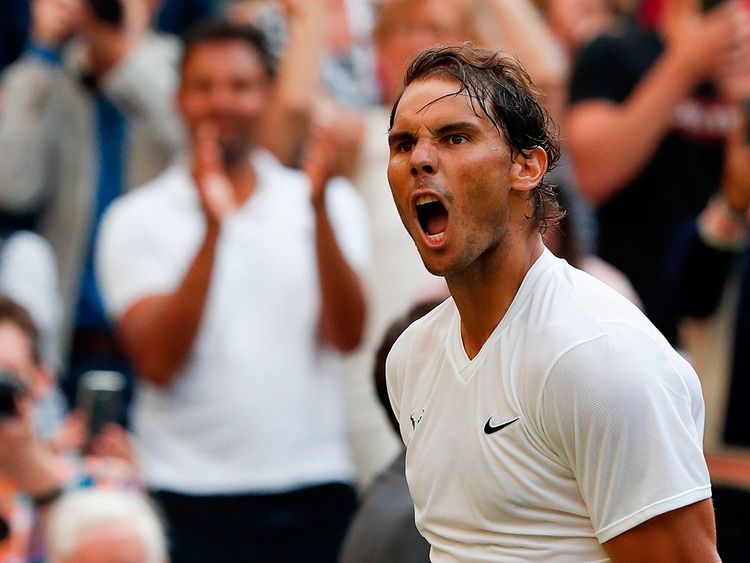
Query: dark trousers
{"type": "Point", "coordinates": [303, 525]}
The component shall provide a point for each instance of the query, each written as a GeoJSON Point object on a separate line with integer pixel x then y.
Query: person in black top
{"type": "Point", "coordinates": [650, 110]}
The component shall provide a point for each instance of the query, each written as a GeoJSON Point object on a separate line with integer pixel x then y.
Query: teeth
{"type": "Point", "coordinates": [425, 199]}
{"type": "Point", "coordinates": [437, 238]}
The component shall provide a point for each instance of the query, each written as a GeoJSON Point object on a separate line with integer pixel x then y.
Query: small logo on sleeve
{"type": "Point", "coordinates": [489, 429]}
{"type": "Point", "coordinates": [416, 417]}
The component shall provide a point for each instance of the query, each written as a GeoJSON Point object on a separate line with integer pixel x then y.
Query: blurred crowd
{"type": "Point", "coordinates": [202, 269]}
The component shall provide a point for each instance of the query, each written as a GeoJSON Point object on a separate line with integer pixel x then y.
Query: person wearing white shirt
{"type": "Point", "coordinates": [545, 418]}
{"type": "Point", "coordinates": [234, 282]}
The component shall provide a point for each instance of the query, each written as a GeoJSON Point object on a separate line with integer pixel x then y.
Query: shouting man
{"type": "Point", "coordinates": [545, 418]}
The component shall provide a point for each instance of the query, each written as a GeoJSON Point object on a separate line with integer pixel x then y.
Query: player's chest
{"type": "Point", "coordinates": [474, 441]}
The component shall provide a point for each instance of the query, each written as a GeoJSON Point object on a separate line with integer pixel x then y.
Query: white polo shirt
{"type": "Point", "coordinates": [575, 422]}
{"type": "Point", "coordinates": [259, 406]}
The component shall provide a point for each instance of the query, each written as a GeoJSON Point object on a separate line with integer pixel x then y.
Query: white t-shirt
{"type": "Point", "coordinates": [260, 404]}
{"type": "Point", "coordinates": [575, 422]}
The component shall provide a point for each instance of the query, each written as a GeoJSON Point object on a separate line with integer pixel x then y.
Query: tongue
{"type": "Point", "coordinates": [437, 223]}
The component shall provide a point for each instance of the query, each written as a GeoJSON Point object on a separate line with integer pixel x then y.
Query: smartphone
{"type": "Point", "coordinates": [100, 396]}
{"type": "Point", "coordinates": [109, 11]}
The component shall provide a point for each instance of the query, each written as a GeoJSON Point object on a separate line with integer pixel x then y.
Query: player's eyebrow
{"type": "Point", "coordinates": [397, 137]}
{"type": "Point", "coordinates": [458, 127]}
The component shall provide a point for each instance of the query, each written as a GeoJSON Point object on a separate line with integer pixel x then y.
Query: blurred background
{"type": "Point", "coordinates": [651, 101]}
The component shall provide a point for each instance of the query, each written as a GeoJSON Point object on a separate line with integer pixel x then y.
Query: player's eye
{"type": "Point", "coordinates": [456, 139]}
{"type": "Point", "coordinates": [405, 146]}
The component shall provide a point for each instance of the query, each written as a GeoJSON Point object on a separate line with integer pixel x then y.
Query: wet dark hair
{"type": "Point", "coordinates": [216, 31]}
{"type": "Point", "coordinates": [17, 315]}
{"type": "Point", "coordinates": [501, 88]}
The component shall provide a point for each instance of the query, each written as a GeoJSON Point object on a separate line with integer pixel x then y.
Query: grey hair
{"type": "Point", "coordinates": [77, 512]}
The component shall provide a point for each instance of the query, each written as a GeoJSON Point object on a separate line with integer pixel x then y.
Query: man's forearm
{"type": "Point", "coordinates": [288, 119]}
{"type": "Point", "coordinates": [158, 332]}
{"type": "Point", "coordinates": [610, 144]}
{"type": "Point", "coordinates": [342, 315]}
{"type": "Point", "coordinates": [143, 84]}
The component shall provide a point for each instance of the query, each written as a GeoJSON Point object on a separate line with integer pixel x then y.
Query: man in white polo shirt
{"type": "Point", "coordinates": [545, 418]}
{"type": "Point", "coordinates": [234, 284]}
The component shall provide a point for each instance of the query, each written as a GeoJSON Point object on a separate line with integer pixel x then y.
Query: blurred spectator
{"type": "Point", "coordinates": [403, 29]}
{"type": "Point", "coordinates": [713, 269]}
{"type": "Point", "coordinates": [28, 276]}
{"type": "Point", "coordinates": [231, 283]}
{"type": "Point", "coordinates": [30, 462]}
{"type": "Point", "coordinates": [383, 528]}
{"type": "Point", "coordinates": [646, 130]}
{"type": "Point", "coordinates": [576, 22]}
{"type": "Point", "coordinates": [174, 16]}
{"type": "Point", "coordinates": [346, 58]}
{"type": "Point", "coordinates": [83, 122]}
{"type": "Point", "coordinates": [105, 526]}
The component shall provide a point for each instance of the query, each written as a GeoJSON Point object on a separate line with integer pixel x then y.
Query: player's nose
{"type": "Point", "coordinates": [424, 158]}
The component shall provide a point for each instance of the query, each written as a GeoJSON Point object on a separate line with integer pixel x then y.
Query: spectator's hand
{"type": "Point", "coordinates": [18, 443]}
{"type": "Point", "coordinates": [733, 72]}
{"type": "Point", "coordinates": [214, 188]}
{"type": "Point", "coordinates": [110, 44]}
{"type": "Point", "coordinates": [72, 433]}
{"type": "Point", "coordinates": [335, 143]}
{"type": "Point", "coordinates": [323, 159]}
{"type": "Point", "coordinates": [699, 42]}
{"type": "Point", "coordinates": [736, 181]}
{"type": "Point", "coordinates": [113, 441]}
{"type": "Point", "coordinates": [54, 21]}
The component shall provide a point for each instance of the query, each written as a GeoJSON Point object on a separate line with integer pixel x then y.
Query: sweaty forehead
{"type": "Point", "coordinates": [434, 99]}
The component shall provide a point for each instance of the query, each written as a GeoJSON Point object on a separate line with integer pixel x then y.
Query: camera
{"type": "Point", "coordinates": [10, 389]}
{"type": "Point", "coordinates": [109, 11]}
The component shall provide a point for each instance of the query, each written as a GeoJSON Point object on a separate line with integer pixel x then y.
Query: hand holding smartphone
{"type": "Point", "coordinates": [100, 395]}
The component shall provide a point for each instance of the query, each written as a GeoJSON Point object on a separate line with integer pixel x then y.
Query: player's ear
{"type": "Point", "coordinates": [527, 169]}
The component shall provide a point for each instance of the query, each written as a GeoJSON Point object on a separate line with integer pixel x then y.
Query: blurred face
{"type": "Point", "coordinates": [224, 84]}
{"type": "Point", "coordinates": [16, 353]}
{"type": "Point", "coordinates": [420, 25]}
{"type": "Point", "coordinates": [450, 173]}
{"type": "Point", "coordinates": [110, 543]}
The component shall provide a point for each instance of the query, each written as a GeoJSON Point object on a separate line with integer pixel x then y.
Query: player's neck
{"type": "Point", "coordinates": [483, 293]}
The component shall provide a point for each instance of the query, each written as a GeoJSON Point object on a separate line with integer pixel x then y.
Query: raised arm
{"type": "Point", "coordinates": [611, 143]}
{"type": "Point", "coordinates": [158, 332]}
{"type": "Point", "coordinates": [288, 119]}
{"type": "Point", "coordinates": [518, 26]}
{"type": "Point", "coordinates": [137, 70]}
{"type": "Point", "coordinates": [342, 314]}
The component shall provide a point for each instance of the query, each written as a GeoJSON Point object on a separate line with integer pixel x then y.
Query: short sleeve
{"type": "Point", "coordinates": [129, 264]}
{"type": "Point", "coordinates": [348, 217]}
{"type": "Point", "coordinates": [393, 380]}
{"type": "Point", "coordinates": [625, 414]}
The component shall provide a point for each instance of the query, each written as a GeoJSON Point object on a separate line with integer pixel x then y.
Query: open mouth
{"type": "Point", "coordinates": [432, 216]}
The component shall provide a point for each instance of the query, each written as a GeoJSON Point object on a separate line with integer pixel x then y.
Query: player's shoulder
{"type": "Point", "coordinates": [571, 310]}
